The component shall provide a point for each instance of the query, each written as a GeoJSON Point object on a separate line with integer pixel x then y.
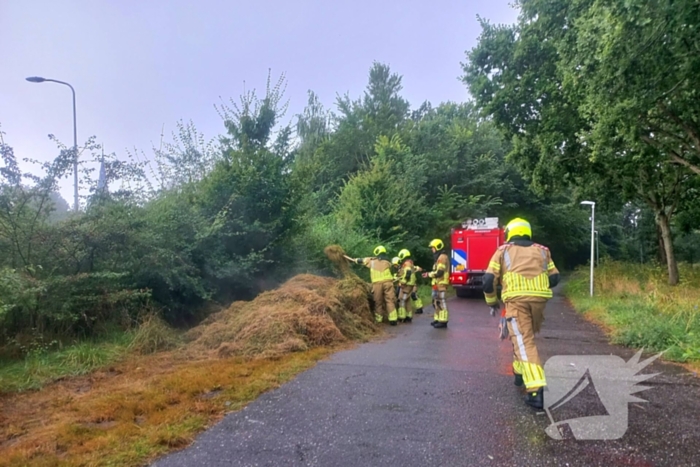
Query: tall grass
{"type": "Point", "coordinates": [640, 309]}
{"type": "Point", "coordinates": [41, 367]}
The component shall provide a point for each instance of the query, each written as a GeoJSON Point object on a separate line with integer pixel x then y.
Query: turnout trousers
{"type": "Point", "coordinates": [384, 301]}
{"type": "Point", "coordinates": [407, 303]}
{"type": "Point", "coordinates": [524, 316]}
{"type": "Point", "coordinates": [440, 315]}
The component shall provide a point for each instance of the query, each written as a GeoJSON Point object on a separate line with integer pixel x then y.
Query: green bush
{"type": "Point", "coordinates": [65, 307]}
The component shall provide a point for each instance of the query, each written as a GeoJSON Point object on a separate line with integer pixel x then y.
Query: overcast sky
{"type": "Point", "coordinates": [137, 65]}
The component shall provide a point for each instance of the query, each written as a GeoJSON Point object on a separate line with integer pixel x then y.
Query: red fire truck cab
{"type": "Point", "coordinates": [473, 245]}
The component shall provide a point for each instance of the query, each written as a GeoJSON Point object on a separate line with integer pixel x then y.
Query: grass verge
{"type": "Point", "coordinates": [43, 367]}
{"type": "Point", "coordinates": [637, 308]}
{"type": "Point", "coordinates": [39, 368]}
{"type": "Point", "coordinates": [168, 389]}
{"type": "Point", "coordinates": [135, 411]}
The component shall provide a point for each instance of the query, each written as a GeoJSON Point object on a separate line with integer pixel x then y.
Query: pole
{"type": "Point", "coordinates": [592, 243]}
{"type": "Point", "coordinates": [597, 248]}
{"type": "Point", "coordinates": [38, 79]}
{"type": "Point", "coordinates": [76, 202]}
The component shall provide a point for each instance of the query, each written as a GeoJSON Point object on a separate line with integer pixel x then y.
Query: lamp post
{"type": "Point", "coordinates": [38, 79]}
{"type": "Point", "coordinates": [592, 205]}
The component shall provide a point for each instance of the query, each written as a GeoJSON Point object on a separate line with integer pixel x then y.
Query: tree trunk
{"type": "Point", "coordinates": [661, 253]}
{"type": "Point", "coordinates": [663, 223]}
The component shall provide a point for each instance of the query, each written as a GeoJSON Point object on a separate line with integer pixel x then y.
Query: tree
{"type": "Point", "coordinates": [187, 159]}
{"type": "Point", "coordinates": [314, 123]}
{"type": "Point", "coordinates": [463, 152]}
{"type": "Point", "coordinates": [61, 208]}
{"type": "Point", "coordinates": [246, 198]}
{"type": "Point", "coordinates": [330, 162]}
{"type": "Point", "coordinates": [520, 76]}
{"type": "Point", "coordinates": [635, 65]}
{"type": "Point", "coordinates": [25, 206]}
{"type": "Point", "coordinates": [382, 200]}
{"type": "Point", "coordinates": [512, 74]}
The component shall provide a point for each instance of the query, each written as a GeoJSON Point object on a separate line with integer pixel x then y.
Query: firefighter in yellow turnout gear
{"type": "Point", "coordinates": [382, 285]}
{"type": "Point", "coordinates": [440, 280]}
{"type": "Point", "coordinates": [407, 287]}
{"type": "Point", "coordinates": [396, 269]}
{"type": "Point", "coordinates": [526, 273]}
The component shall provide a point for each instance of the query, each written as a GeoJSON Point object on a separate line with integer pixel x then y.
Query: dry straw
{"type": "Point", "coordinates": [306, 311]}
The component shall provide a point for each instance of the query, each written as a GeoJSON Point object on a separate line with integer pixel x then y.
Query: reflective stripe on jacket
{"type": "Point", "coordinates": [379, 269]}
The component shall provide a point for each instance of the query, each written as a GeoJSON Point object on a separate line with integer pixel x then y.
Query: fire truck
{"type": "Point", "coordinates": [473, 245]}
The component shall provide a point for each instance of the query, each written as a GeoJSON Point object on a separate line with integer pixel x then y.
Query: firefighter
{"type": "Point", "coordinates": [408, 287]}
{"type": "Point", "coordinates": [440, 280]}
{"type": "Point", "coordinates": [382, 285]}
{"type": "Point", "coordinates": [395, 269]}
{"type": "Point", "coordinates": [527, 274]}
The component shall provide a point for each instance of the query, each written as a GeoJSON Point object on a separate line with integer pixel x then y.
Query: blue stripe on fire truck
{"type": "Point", "coordinates": [459, 260]}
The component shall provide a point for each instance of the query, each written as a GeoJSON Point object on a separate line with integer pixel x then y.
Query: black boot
{"type": "Point", "coordinates": [408, 320]}
{"type": "Point", "coordinates": [440, 325]}
{"type": "Point", "coordinates": [519, 380]}
{"type": "Point", "coordinates": [433, 323]}
{"type": "Point", "coordinates": [419, 311]}
{"type": "Point", "coordinates": [535, 399]}
{"type": "Point", "coordinates": [393, 323]}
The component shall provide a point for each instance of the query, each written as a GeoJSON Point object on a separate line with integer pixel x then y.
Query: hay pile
{"type": "Point", "coordinates": [307, 311]}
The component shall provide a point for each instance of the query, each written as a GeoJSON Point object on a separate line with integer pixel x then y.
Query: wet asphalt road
{"type": "Point", "coordinates": [434, 397]}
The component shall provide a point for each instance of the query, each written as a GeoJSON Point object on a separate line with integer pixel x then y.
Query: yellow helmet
{"type": "Point", "coordinates": [518, 228]}
{"type": "Point", "coordinates": [437, 244]}
{"type": "Point", "coordinates": [403, 254]}
{"type": "Point", "coordinates": [395, 260]}
{"type": "Point", "coordinates": [379, 250]}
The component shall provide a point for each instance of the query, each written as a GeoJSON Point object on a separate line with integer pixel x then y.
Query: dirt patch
{"type": "Point", "coordinates": [104, 425]}
{"type": "Point", "coordinates": [211, 394]}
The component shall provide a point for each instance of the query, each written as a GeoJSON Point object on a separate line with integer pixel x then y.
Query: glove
{"type": "Point", "coordinates": [494, 309]}
{"type": "Point", "coordinates": [503, 329]}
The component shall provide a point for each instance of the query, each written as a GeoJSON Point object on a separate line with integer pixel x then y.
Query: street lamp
{"type": "Point", "coordinates": [38, 79]}
{"type": "Point", "coordinates": [592, 205]}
